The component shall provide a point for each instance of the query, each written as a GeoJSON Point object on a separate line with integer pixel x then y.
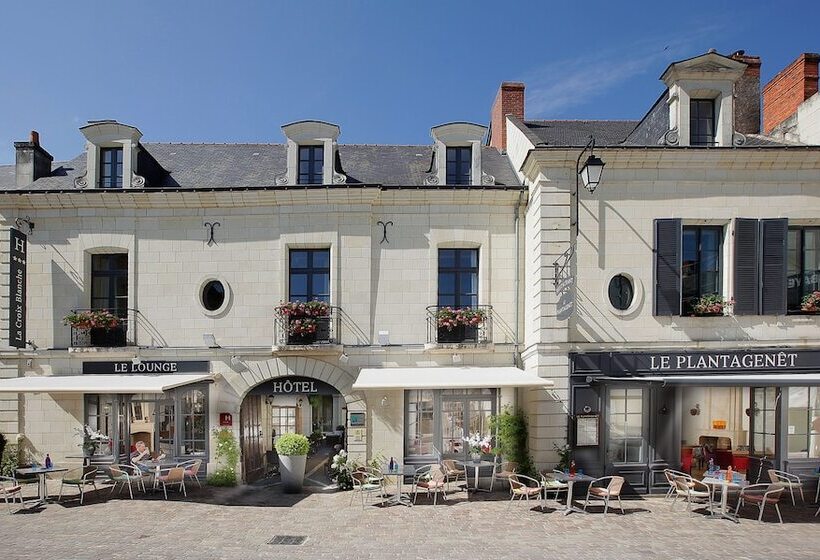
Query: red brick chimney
{"type": "Point", "coordinates": [786, 91]}
{"type": "Point", "coordinates": [509, 101]}
{"type": "Point", "coordinates": [747, 95]}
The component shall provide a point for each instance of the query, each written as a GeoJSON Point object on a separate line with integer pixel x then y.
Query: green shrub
{"type": "Point", "coordinates": [9, 462]}
{"type": "Point", "coordinates": [292, 444]}
{"type": "Point", "coordinates": [227, 455]}
{"type": "Point", "coordinates": [511, 442]}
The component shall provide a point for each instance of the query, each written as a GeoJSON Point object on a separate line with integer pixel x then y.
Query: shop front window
{"type": "Point", "coordinates": [99, 416]}
{"type": "Point", "coordinates": [626, 425]}
{"type": "Point", "coordinates": [194, 423]}
{"type": "Point", "coordinates": [804, 423]}
{"type": "Point", "coordinates": [763, 424]}
{"type": "Point", "coordinates": [440, 419]}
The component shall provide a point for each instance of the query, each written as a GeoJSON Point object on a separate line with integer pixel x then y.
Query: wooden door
{"type": "Point", "coordinates": [250, 435]}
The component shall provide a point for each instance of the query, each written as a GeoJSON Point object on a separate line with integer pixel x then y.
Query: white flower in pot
{"type": "Point", "coordinates": [292, 450]}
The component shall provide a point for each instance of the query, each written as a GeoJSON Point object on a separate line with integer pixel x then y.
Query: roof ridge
{"type": "Point", "coordinates": [581, 120]}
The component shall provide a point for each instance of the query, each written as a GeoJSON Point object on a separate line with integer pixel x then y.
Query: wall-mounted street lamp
{"type": "Point", "coordinates": [590, 173]}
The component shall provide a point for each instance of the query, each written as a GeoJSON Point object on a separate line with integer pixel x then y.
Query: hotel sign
{"type": "Point", "coordinates": [18, 252]}
{"type": "Point", "coordinates": [148, 366]}
{"type": "Point", "coordinates": [293, 385]}
{"type": "Point", "coordinates": [774, 360]}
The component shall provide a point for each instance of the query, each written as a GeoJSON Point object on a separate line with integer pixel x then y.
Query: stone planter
{"type": "Point", "coordinates": [292, 469]}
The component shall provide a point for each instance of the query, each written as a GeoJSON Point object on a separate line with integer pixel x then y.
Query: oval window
{"type": "Point", "coordinates": [213, 295]}
{"type": "Point", "coordinates": [621, 292]}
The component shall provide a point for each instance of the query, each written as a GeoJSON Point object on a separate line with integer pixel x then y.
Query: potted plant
{"type": "Point", "coordinates": [478, 444]}
{"type": "Point", "coordinates": [292, 450]}
{"type": "Point", "coordinates": [92, 319]}
{"type": "Point", "coordinates": [564, 456]}
{"type": "Point", "coordinates": [711, 305]}
{"type": "Point", "coordinates": [306, 321]}
{"type": "Point", "coordinates": [91, 439]}
{"type": "Point", "coordinates": [810, 303]}
{"type": "Point", "coordinates": [343, 468]}
{"type": "Point", "coordinates": [457, 324]}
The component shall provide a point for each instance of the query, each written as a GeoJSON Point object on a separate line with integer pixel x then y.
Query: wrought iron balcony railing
{"type": "Point", "coordinates": [459, 325]}
{"type": "Point", "coordinates": [84, 335]}
{"type": "Point", "coordinates": [291, 330]}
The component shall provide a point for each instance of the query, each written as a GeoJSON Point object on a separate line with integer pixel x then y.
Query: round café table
{"type": "Point", "coordinates": [41, 472]}
{"type": "Point", "coordinates": [476, 467]}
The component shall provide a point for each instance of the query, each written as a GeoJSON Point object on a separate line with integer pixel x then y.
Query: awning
{"type": "Point", "coordinates": [99, 383]}
{"type": "Point", "coordinates": [720, 380]}
{"type": "Point", "coordinates": [447, 378]}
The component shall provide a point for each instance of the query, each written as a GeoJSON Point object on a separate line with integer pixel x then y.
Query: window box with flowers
{"type": "Point", "coordinates": [305, 322]}
{"type": "Point", "coordinates": [459, 324]}
{"type": "Point", "coordinates": [711, 305]}
{"type": "Point", "coordinates": [810, 303]}
{"type": "Point", "coordinates": [96, 327]}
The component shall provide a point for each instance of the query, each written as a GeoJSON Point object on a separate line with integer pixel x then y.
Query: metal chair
{"type": "Point", "coordinates": [787, 480]}
{"type": "Point", "coordinates": [689, 489]}
{"type": "Point", "coordinates": [9, 488]}
{"type": "Point", "coordinates": [432, 479]}
{"type": "Point", "coordinates": [175, 477]}
{"type": "Point", "coordinates": [192, 469]}
{"type": "Point", "coordinates": [452, 472]}
{"type": "Point", "coordinates": [550, 484]}
{"type": "Point", "coordinates": [508, 469]}
{"type": "Point", "coordinates": [364, 485]}
{"type": "Point", "coordinates": [612, 490]}
{"type": "Point", "coordinates": [119, 474]}
{"type": "Point", "coordinates": [760, 495]}
{"type": "Point", "coordinates": [79, 477]}
{"type": "Point", "coordinates": [522, 487]}
{"type": "Point", "coordinates": [670, 475]}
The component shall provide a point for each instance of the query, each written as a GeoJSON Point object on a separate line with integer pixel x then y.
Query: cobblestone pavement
{"type": "Point", "coordinates": [237, 523]}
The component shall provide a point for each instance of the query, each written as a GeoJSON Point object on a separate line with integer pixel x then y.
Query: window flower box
{"type": "Point", "coordinates": [712, 305]}
{"type": "Point", "coordinates": [460, 324]}
{"type": "Point", "coordinates": [306, 322]}
{"type": "Point", "coordinates": [811, 303]}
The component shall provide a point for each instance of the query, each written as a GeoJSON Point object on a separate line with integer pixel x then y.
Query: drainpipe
{"type": "Point", "coordinates": [517, 280]}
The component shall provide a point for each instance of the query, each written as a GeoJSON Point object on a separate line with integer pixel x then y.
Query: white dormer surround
{"type": "Point", "coordinates": [312, 133]}
{"type": "Point", "coordinates": [453, 135]}
{"type": "Point", "coordinates": [111, 134]}
{"type": "Point", "coordinates": [710, 76]}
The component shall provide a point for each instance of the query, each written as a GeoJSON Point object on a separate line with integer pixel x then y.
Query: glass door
{"type": "Point", "coordinates": [282, 421]}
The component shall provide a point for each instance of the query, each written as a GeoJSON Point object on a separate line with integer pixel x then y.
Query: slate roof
{"type": "Point", "coordinates": [576, 133]}
{"type": "Point", "coordinates": [169, 165]}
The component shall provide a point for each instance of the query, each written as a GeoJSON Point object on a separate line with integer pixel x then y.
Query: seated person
{"type": "Point", "coordinates": [140, 452]}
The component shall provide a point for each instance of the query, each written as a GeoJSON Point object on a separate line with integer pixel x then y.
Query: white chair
{"type": "Point", "coordinates": [124, 475]}
{"type": "Point", "coordinates": [9, 488]}
{"type": "Point", "coordinates": [552, 485]}
{"type": "Point", "coordinates": [192, 469]}
{"type": "Point", "coordinates": [79, 477]}
{"type": "Point", "coordinates": [363, 484]}
{"type": "Point", "coordinates": [523, 488]}
{"type": "Point", "coordinates": [787, 480]}
{"type": "Point", "coordinates": [692, 490]}
{"type": "Point", "coordinates": [670, 475]}
{"type": "Point", "coordinates": [432, 479]}
{"type": "Point", "coordinates": [504, 472]}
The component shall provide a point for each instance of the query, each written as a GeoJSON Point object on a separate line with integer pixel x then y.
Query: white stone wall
{"type": "Point", "coordinates": [808, 120]}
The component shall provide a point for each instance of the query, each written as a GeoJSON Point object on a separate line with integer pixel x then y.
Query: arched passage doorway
{"type": "Point", "coordinates": [290, 404]}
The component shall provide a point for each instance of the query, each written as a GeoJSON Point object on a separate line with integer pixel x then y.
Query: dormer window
{"type": "Point", "coordinates": [311, 165]}
{"type": "Point", "coordinates": [111, 168]}
{"type": "Point", "coordinates": [459, 165]}
{"type": "Point", "coordinates": [702, 122]}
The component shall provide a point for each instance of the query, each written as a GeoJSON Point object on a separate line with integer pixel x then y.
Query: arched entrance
{"type": "Point", "coordinates": [290, 404]}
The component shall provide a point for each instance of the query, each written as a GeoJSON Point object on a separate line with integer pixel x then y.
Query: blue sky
{"type": "Point", "coordinates": [200, 71]}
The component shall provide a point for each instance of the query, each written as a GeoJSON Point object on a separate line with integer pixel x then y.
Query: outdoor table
{"type": "Point", "coordinates": [155, 467]}
{"type": "Point", "coordinates": [713, 482]}
{"type": "Point", "coordinates": [41, 472]}
{"type": "Point", "coordinates": [399, 471]}
{"type": "Point", "coordinates": [571, 480]}
{"type": "Point", "coordinates": [476, 467]}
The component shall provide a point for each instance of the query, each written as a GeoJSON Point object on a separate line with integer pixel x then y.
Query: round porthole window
{"type": "Point", "coordinates": [621, 292]}
{"type": "Point", "coordinates": [213, 295]}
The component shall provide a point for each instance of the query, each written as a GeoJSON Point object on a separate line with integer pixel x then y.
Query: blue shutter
{"type": "Point", "coordinates": [746, 267]}
{"type": "Point", "coordinates": [667, 254]}
{"type": "Point", "coordinates": [773, 238]}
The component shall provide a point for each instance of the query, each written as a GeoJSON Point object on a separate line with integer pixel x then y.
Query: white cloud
{"type": "Point", "coordinates": [559, 85]}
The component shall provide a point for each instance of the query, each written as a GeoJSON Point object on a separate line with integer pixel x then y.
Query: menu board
{"type": "Point", "coordinates": [586, 430]}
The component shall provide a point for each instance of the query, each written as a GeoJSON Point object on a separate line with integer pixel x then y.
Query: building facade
{"type": "Point", "coordinates": [668, 305]}
{"type": "Point", "coordinates": [194, 252]}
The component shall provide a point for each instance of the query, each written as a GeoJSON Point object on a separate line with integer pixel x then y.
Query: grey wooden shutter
{"type": "Point", "coordinates": [746, 271]}
{"type": "Point", "coordinates": [667, 252]}
{"type": "Point", "coordinates": [773, 238]}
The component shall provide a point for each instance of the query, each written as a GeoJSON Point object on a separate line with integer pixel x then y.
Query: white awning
{"type": "Point", "coordinates": [99, 383]}
{"type": "Point", "coordinates": [447, 378]}
{"type": "Point", "coordinates": [722, 380]}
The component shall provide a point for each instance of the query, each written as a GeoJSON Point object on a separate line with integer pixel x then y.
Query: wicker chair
{"type": "Point", "coordinates": [507, 470]}
{"type": "Point", "coordinates": [670, 475]}
{"type": "Point", "coordinates": [760, 495]}
{"type": "Point", "coordinates": [692, 490]}
{"type": "Point", "coordinates": [432, 479]}
{"type": "Point", "coordinates": [363, 484]}
{"type": "Point", "coordinates": [9, 488]}
{"type": "Point", "coordinates": [192, 470]}
{"type": "Point", "coordinates": [550, 484]}
{"type": "Point", "coordinates": [452, 472]}
{"type": "Point", "coordinates": [124, 475]}
{"type": "Point", "coordinates": [175, 476]}
{"type": "Point", "coordinates": [612, 490]}
{"type": "Point", "coordinates": [523, 488]}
